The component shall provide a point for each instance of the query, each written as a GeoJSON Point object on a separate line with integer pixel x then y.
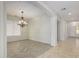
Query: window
{"type": "Point", "coordinates": [77, 29]}
{"type": "Point", "coordinates": [12, 28]}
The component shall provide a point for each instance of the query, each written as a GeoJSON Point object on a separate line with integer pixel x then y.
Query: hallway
{"type": "Point", "coordinates": [66, 49]}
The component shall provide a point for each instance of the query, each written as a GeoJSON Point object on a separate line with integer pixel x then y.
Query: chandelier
{"type": "Point", "coordinates": [22, 22]}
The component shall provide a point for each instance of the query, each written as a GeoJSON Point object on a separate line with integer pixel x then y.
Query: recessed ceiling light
{"type": "Point", "coordinates": [69, 13]}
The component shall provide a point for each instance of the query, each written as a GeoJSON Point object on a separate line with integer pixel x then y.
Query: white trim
{"type": "Point", "coordinates": [3, 40]}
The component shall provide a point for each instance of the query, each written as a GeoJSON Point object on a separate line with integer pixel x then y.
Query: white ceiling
{"type": "Point", "coordinates": [71, 6]}
{"type": "Point", "coordinates": [30, 10]}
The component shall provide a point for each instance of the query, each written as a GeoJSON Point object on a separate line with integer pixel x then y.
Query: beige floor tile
{"type": "Point", "coordinates": [66, 49]}
{"type": "Point", "coordinates": [26, 49]}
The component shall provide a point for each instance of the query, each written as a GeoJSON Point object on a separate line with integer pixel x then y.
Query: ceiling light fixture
{"type": "Point", "coordinates": [69, 13]}
{"type": "Point", "coordinates": [22, 22]}
{"type": "Point", "coordinates": [63, 9]}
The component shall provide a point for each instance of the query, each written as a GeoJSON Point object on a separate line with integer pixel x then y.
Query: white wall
{"type": "Point", "coordinates": [12, 28]}
{"type": "Point", "coordinates": [53, 24]}
{"type": "Point", "coordinates": [14, 31]}
{"type": "Point", "coordinates": [63, 30]}
{"type": "Point", "coordinates": [39, 29]}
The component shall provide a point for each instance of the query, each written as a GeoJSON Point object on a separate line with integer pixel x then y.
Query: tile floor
{"type": "Point", "coordinates": [26, 49]}
{"type": "Point", "coordinates": [65, 49]}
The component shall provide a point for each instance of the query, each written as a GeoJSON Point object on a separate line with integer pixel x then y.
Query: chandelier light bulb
{"type": "Point", "coordinates": [22, 22]}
